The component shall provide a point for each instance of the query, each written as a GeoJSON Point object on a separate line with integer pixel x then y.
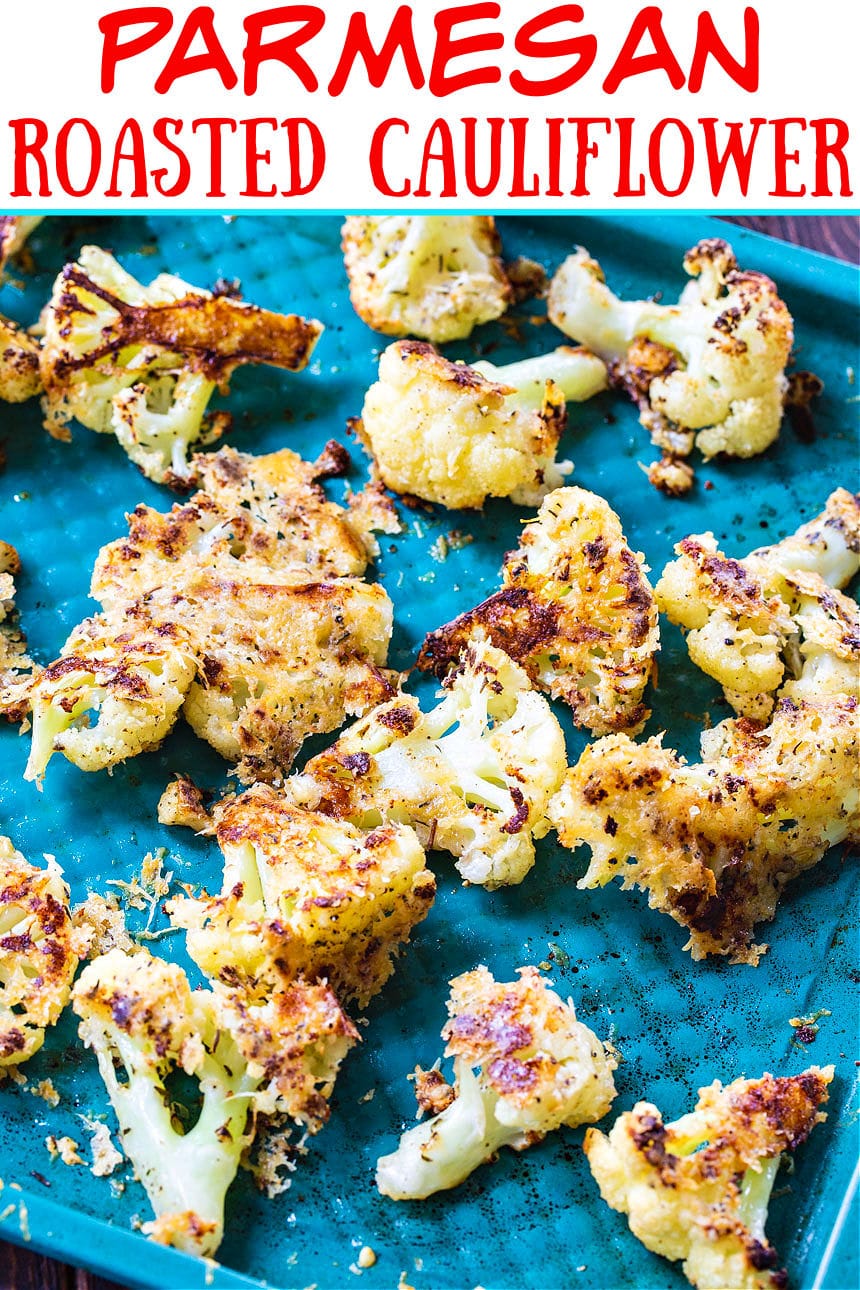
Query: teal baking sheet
{"type": "Point", "coordinates": [532, 1220]}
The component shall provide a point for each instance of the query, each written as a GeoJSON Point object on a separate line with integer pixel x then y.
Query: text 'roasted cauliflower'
{"type": "Point", "coordinates": [714, 844]}
{"type": "Point", "coordinates": [523, 1066]}
{"type": "Point", "coordinates": [710, 368]}
{"type": "Point", "coordinates": [473, 776]}
{"type": "Point", "coordinates": [39, 951]}
{"type": "Point", "coordinates": [775, 616]}
{"type": "Point", "coordinates": [454, 434]}
{"type": "Point", "coordinates": [146, 1025]}
{"type": "Point", "coordinates": [143, 362]}
{"type": "Point", "coordinates": [306, 895]}
{"type": "Point", "coordinates": [576, 611]}
{"type": "Point", "coordinates": [698, 1189]}
{"type": "Point", "coordinates": [231, 608]}
{"type": "Point", "coordinates": [432, 276]}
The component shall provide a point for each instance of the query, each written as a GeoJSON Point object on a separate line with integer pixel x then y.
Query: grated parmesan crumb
{"type": "Point", "coordinates": [66, 1148]}
{"type": "Point", "coordinates": [46, 1091]}
{"type": "Point", "coordinates": [106, 1158]}
{"type": "Point", "coordinates": [366, 1257]}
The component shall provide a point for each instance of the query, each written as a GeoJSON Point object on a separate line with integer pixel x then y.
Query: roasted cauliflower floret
{"type": "Point", "coordinates": [19, 363]}
{"type": "Point", "coordinates": [776, 614]}
{"type": "Point", "coordinates": [306, 895]}
{"type": "Point", "coordinates": [39, 951]}
{"type": "Point", "coordinates": [432, 276]}
{"type": "Point", "coordinates": [140, 1017]}
{"type": "Point", "coordinates": [523, 1066]}
{"type": "Point", "coordinates": [715, 844]}
{"type": "Point", "coordinates": [239, 597]}
{"type": "Point", "coordinates": [14, 231]}
{"type": "Point", "coordinates": [709, 368]}
{"type": "Point", "coordinates": [115, 691]}
{"type": "Point", "coordinates": [17, 671]}
{"type": "Point", "coordinates": [576, 611]}
{"type": "Point", "coordinates": [473, 776]}
{"type": "Point", "coordinates": [698, 1189]}
{"type": "Point", "coordinates": [143, 362]}
{"type": "Point", "coordinates": [454, 434]}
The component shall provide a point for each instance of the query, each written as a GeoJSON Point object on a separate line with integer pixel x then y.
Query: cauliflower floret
{"type": "Point", "coordinates": [17, 671]}
{"type": "Point", "coordinates": [709, 368]}
{"type": "Point", "coordinates": [433, 276]}
{"type": "Point", "coordinates": [454, 434]}
{"type": "Point", "coordinates": [306, 895]}
{"type": "Point", "coordinates": [698, 1189]}
{"type": "Point", "coordinates": [473, 776]}
{"type": "Point", "coordinates": [715, 844]}
{"type": "Point", "coordinates": [19, 363]}
{"type": "Point", "coordinates": [139, 1015]}
{"type": "Point", "coordinates": [115, 691]}
{"type": "Point", "coordinates": [143, 362]}
{"type": "Point", "coordinates": [576, 611]}
{"type": "Point", "coordinates": [751, 620]}
{"type": "Point", "coordinates": [39, 952]}
{"type": "Point", "coordinates": [523, 1066]}
{"type": "Point", "coordinates": [246, 579]}
{"type": "Point", "coordinates": [14, 231]}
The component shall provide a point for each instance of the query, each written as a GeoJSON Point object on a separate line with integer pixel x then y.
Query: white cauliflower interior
{"type": "Point", "coordinates": [775, 616]}
{"type": "Point", "coordinates": [432, 276]}
{"type": "Point", "coordinates": [275, 1057]}
{"type": "Point", "coordinates": [709, 368]}
{"type": "Point", "coordinates": [143, 362]}
{"type": "Point", "coordinates": [473, 776]}
{"type": "Point", "coordinates": [454, 434]}
{"type": "Point", "coordinates": [523, 1066]}
{"type": "Point", "coordinates": [576, 611]}
{"type": "Point", "coordinates": [698, 1189]}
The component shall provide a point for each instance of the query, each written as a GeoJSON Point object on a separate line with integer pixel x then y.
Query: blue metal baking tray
{"type": "Point", "coordinates": [528, 1221]}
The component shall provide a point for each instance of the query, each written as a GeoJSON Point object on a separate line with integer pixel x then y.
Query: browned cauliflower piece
{"type": "Point", "coordinates": [715, 844]}
{"type": "Point", "coordinates": [774, 616]}
{"type": "Point", "coordinates": [143, 362]}
{"type": "Point", "coordinates": [576, 611]}
{"type": "Point", "coordinates": [251, 1060]}
{"type": "Point", "coordinates": [523, 1067]}
{"type": "Point", "coordinates": [698, 1189]}
{"type": "Point", "coordinates": [454, 434]}
{"type": "Point", "coordinates": [473, 776]}
{"type": "Point", "coordinates": [238, 599]}
{"type": "Point", "coordinates": [306, 895]}
{"type": "Point", "coordinates": [19, 363]}
{"type": "Point", "coordinates": [432, 276]}
{"type": "Point", "coordinates": [14, 231]}
{"type": "Point", "coordinates": [39, 952]}
{"type": "Point", "coordinates": [709, 369]}
{"type": "Point", "coordinates": [17, 671]}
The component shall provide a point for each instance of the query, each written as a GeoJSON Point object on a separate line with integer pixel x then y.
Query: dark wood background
{"type": "Point", "coordinates": [837, 235]}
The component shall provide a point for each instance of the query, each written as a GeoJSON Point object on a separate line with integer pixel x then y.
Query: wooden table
{"type": "Point", "coordinates": [837, 235]}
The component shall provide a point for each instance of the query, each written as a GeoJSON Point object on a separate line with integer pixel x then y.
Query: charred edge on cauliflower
{"type": "Point", "coordinates": [698, 1189]}
{"type": "Point", "coordinates": [39, 953]}
{"type": "Point", "coordinates": [523, 1067]}
{"type": "Point", "coordinates": [17, 672]}
{"type": "Point", "coordinates": [304, 894]}
{"type": "Point", "coordinates": [19, 364]}
{"type": "Point", "coordinates": [576, 611]}
{"type": "Point", "coordinates": [714, 844]}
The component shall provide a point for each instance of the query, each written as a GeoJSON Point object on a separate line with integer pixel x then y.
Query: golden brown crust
{"type": "Point", "coordinates": [17, 672]}
{"type": "Point", "coordinates": [19, 363]}
{"type": "Point", "coordinates": [575, 605]}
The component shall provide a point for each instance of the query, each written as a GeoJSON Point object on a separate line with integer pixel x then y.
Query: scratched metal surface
{"type": "Point", "coordinates": [529, 1220]}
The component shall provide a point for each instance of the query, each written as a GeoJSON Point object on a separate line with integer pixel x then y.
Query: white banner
{"type": "Point", "coordinates": [483, 105]}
